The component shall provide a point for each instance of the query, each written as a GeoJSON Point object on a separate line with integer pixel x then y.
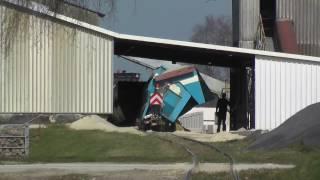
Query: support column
{"type": "Point", "coordinates": [245, 22]}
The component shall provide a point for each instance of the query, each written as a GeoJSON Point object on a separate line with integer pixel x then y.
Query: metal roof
{"type": "Point", "coordinates": [230, 52]}
{"type": "Point", "coordinates": [172, 50]}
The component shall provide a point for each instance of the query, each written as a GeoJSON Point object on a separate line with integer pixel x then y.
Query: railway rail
{"type": "Point", "coordinates": [172, 138]}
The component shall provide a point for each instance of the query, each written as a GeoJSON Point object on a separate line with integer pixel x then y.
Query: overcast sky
{"type": "Point", "coordinates": [172, 19]}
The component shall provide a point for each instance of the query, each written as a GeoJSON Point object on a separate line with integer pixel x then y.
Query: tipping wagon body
{"type": "Point", "coordinates": [181, 89]}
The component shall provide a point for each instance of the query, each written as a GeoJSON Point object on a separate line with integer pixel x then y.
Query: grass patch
{"type": "Point", "coordinates": [57, 177]}
{"type": "Point", "coordinates": [203, 153]}
{"type": "Point", "coordinates": [60, 144]}
{"type": "Point", "coordinates": [294, 154]}
{"type": "Point", "coordinates": [216, 176]}
{"type": "Point", "coordinates": [306, 159]}
{"type": "Point", "coordinates": [294, 174]}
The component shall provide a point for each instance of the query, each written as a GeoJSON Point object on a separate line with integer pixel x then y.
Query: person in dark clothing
{"type": "Point", "coordinates": [221, 110]}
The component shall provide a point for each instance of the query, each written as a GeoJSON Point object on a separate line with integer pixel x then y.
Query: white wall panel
{"type": "Point", "coordinates": [283, 87]}
{"type": "Point", "coordinates": [55, 67]}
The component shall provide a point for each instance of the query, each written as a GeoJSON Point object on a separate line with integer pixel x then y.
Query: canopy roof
{"type": "Point", "coordinates": [165, 49]}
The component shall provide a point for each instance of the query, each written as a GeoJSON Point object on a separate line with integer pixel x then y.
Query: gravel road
{"type": "Point", "coordinates": [89, 168]}
{"type": "Point", "coordinates": [112, 171]}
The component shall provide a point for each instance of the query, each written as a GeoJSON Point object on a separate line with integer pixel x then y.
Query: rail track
{"type": "Point", "coordinates": [182, 141]}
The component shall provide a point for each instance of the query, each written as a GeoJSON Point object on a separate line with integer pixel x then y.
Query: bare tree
{"type": "Point", "coordinates": [215, 30]}
{"type": "Point", "coordinates": [12, 21]}
{"type": "Point", "coordinates": [83, 10]}
{"type": "Point", "coordinates": [78, 9]}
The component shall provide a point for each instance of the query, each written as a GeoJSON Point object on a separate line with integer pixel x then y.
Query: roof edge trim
{"type": "Point", "coordinates": [166, 41]}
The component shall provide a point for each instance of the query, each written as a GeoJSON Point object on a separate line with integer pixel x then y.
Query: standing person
{"type": "Point", "coordinates": [221, 110]}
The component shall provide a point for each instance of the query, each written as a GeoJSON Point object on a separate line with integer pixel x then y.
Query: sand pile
{"type": "Point", "coordinates": [94, 122]}
{"type": "Point", "coordinates": [302, 128]}
{"type": "Point", "coordinates": [218, 137]}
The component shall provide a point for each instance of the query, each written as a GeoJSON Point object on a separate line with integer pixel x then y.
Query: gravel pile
{"type": "Point", "coordinates": [94, 122]}
{"type": "Point", "coordinates": [302, 128]}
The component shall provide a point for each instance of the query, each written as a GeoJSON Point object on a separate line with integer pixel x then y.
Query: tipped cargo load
{"type": "Point", "coordinates": [178, 90]}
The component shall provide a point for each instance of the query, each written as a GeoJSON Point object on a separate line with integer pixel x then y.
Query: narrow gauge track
{"type": "Point", "coordinates": [195, 162]}
{"type": "Point", "coordinates": [172, 138]}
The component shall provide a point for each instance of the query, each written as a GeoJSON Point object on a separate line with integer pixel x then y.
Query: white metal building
{"type": "Point", "coordinates": [60, 75]}
{"type": "Point", "coordinates": [54, 67]}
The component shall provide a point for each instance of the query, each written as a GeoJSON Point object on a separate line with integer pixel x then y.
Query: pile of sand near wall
{"type": "Point", "coordinates": [217, 137]}
{"type": "Point", "coordinates": [94, 122]}
{"type": "Point", "coordinates": [301, 128]}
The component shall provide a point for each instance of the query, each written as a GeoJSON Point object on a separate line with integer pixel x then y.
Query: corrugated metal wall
{"type": "Point", "coordinates": [52, 67]}
{"type": "Point", "coordinates": [193, 121]}
{"type": "Point", "coordinates": [283, 87]}
{"type": "Point", "coordinates": [305, 15]}
{"type": "Point", "coordinates": [245, 22]}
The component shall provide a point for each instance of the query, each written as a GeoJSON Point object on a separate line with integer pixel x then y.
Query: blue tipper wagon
{"type": "Point", "coordinates": [181, 89]}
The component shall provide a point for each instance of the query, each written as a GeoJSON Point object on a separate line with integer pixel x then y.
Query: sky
{"type": "Point", "coordinates": [170, 19]}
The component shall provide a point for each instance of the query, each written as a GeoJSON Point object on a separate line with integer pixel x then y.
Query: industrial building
{"type": "Point", "coordinates": [277, 25]}
{"type": "Point", "coordinates": [288, 26]}
{"type": "Point", "coordinates": [65, 66]}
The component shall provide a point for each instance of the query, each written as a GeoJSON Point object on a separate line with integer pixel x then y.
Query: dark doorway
{"type": "Point", "coordinates": [268, 15]}
{"type": "Point", "coordinates": [128, 101]}
{"type": "Point", "coordinates": [242, 98]}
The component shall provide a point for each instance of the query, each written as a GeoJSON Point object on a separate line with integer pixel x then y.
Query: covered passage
{"type": "Point", "coordinates": [241, 64]}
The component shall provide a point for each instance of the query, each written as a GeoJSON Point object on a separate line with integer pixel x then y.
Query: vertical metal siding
{"type": "Point", "coordinates": [247, 13]}
{"type": "Point", "coordinates": [305, 15]}
{"type": "Point", "coordinates": [193, 121]}
{"type": "Point", "coordinates": [283, 87]}
{"type": "Point", "coordinates": [249, 19]}
{"type": "Point", "coordinates": [56, 68]}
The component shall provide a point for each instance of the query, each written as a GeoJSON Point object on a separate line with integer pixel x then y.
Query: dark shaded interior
{"type": "Point", "coordinates": [128, 102]}
{"type": "Point", "coordinates": [268, 15]}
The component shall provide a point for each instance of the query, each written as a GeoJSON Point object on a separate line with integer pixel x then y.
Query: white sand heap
{"type": "Point", "coordinates": [218, 137]}
{"type": "Point", "coordinates": [94, 122]}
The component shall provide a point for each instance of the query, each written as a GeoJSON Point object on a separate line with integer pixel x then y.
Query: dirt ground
{"type": "Point", "coordinates": [217, 137]}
